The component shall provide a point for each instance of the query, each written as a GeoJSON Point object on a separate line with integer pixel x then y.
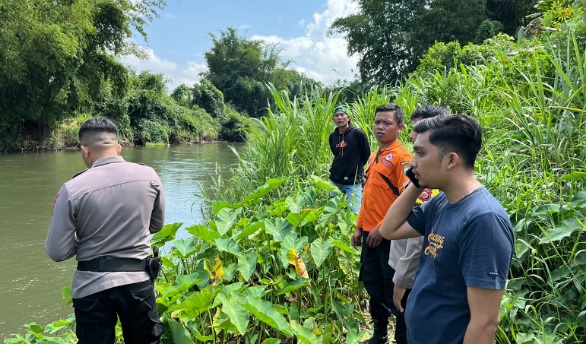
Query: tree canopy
{"type": "Point", "coordinates": [241, 69]}
{"type": "Point", "coordinates": [58, 56]}
{"type": "Point", "coordinates": [392, 35]}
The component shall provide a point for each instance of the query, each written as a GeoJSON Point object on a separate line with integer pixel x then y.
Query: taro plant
{"type": "Point", "coordinates": [263, 276]}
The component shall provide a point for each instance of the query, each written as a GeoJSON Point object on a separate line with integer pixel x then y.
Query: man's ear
{"type": "Point", "coordinates": [85, 151]}
{"type": "Point", "coordinates": [453, 160]}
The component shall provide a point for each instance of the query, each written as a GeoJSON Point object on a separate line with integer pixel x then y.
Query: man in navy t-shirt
{"type": "Point", "coordinates": [468, 237]}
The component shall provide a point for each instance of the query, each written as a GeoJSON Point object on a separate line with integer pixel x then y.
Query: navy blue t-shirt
{"type": "Point", "coordinates": [468, 243]}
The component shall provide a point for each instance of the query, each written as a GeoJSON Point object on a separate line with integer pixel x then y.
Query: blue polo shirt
{"type": "Point", "coordinates": [468, 243]}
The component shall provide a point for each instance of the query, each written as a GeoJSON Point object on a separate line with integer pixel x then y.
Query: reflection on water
{"type": "Point", "coordinates": [31, 283]}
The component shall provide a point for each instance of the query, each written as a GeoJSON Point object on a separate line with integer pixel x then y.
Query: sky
{"type": "Point", "coordinates": [179, 38]}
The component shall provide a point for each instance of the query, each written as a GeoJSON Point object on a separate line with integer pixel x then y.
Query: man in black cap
{"type": "Point", "coordinates": [351, 151]}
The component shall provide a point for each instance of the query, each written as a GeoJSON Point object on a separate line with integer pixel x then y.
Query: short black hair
{"type": "Point", "coordinates": [459, 133]}
{"type": "Point", "coordinates": [399, 116]}
{"type": "Point", "coordinates": [97, 125]}
{"type": "Point", "coordinates": [428, 111]}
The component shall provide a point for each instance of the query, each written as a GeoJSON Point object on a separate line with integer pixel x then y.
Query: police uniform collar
{"type": "Point", "coordinates": [108, 160]}
{"type": "Point", "coordinates": [100, 162]}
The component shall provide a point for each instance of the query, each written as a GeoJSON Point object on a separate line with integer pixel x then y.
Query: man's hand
{"type": "Point", "coordinates": [357, 237]}
{"type": "Point", "coordinates": [398, 294]}
{"type": "Point", "coordinates": [374, 238]}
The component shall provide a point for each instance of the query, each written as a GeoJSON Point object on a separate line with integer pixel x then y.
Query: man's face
{"type": "Point", "coordinates": [386, 128]}
{"type": "Point", "coordinates": [426, 161]}
{"type": "Point", "coordinates": [341, 119]}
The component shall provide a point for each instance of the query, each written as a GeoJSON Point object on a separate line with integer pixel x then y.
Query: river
{"type": "Point", "coordinates": [31, 283]}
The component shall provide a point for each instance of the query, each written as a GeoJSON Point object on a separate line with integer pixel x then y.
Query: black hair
{"type": "Point", "coordinates": [392, 108]}
{"type": "Point", "coordinates": [458, 133]}
{"type": "Point", "coordinates": [428, 111]}
{"type": "Point", "coordinates": [97, 125]}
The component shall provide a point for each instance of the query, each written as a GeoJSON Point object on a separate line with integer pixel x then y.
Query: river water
{"type": "Point", "coordinates": [31, 283]}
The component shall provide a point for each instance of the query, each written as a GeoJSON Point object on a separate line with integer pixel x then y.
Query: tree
{"type": "Point", "coordinates": [510, 13]}
{"type": "Point", "coordinates": [208, 97]}
{"type": "Point", "coordinates": [448, 21]}
{"type": "Point", "coordinates": [392, 35]}
{"type": "Point", "coordinates": [58, 56]}
{"type": "Point", "coordinates": [241, 68]}
{"type": "Point", "coordinates": [382, 33]}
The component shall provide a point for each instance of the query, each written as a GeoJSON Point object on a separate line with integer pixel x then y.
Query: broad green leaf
{"type": "Point", "coordinates": [231, 288]}
{"type": "Point", "coordinates": [521, 248]}
{"type": "Point", "coordinates": [294, 205]}
{"type": "Point", "coordinates": [266, 313]}
{"type": "Point", "coordinates": [219, 205]}
{"type": "Point", "coordinates": [344, 246]}
{"type": "Point", "coordinates": [34, 327]}
{"type": "Point", "coordinates": [201, 338]}
{"type": "Point", "coordinates": [329, 210]}
{"type": "Point", "coordinates": [578, 199]}
{"type": "Point", "coordinates": [228, 245]}
{"type": "Point", "coordinates": [342, 310]}
{"type": "Point", "coordinates": [322, 183]}
{"type": "Point", "coordinates": [238, 315]}
{"type": "Point", "coordinates": [556, 234]}
{"type": "Point", "coordinates": [560, 274]}
{"type": "Point", "coordinates": [295, 285]}
{"type": "Point", "coordinates": [320, 250]}
{"type": "Point", "coordinates": [182, 283]}
{"type": "Point", "coordinates": [66, 293]}
{"type": "Point", "coordinates": [255, 291]}
{"type": "Point", "coordinates": [203, 232]}
{"type": "Point", "coordinates": [185, 247]}
{"type": "Point", "coordinates": [574, 175]}
{"type": "Point", "coordinates": [179, 333]}
{"type": "Point", "coordinates": [249, 230]}
{"type": "Point", "coordinates": [226, 218]}
{"type": "Point", "coordinates": [264, 189]}
{"type": "Point", "coordinates": [279, 228]}
{"type": "Point", "coordinates": [195, 304]}
{"type": "Point", "coordinates": [167, 233]}
{"type": "Point", "coordinates": [295, 219]}
{"type": "Point", "coordinates": [246, 264]}
{"type": "Point", "coordinates": [271, 341]}
{"type": "Point", "coordinates": [353, 336]}
{"type": "Point", "coordinates": [304, 334]}
{"type": "Point", "coordinates": [310, 216]}
{"type": "Point", "coordinates": [59, 325]}
{"type": "Point", "coordinates": [546, 210]}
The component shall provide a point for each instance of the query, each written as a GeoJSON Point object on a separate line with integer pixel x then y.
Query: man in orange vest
{"type": "Point", "coordinates": [385, 180]}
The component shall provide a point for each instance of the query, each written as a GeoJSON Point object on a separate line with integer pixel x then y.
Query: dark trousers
{"type": "Point", "coordinates": [96, 315]}
{"type": "Point", "coordinates": [377, 276]}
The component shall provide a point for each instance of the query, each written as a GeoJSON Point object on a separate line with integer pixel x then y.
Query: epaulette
{"type": "Point", "coordinates": [78, 173]}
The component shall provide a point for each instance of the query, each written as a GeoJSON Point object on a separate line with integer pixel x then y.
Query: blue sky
{"type": "Point", "coordinates": [178, 39]}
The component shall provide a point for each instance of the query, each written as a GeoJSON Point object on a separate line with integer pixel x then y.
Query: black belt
{"type": "Point", "coordinates": [111, 264]}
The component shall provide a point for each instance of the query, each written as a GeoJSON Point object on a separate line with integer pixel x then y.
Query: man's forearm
{"type": "Point", "coordinates": [480, 333]}
{"type": "Point", "coordinates": [399, 211]}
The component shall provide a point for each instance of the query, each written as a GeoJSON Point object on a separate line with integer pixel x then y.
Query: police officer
{"type": "Point", "coordinates": [104, 216]}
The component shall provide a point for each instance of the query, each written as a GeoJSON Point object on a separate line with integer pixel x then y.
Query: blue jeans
{"type": "Point", "coordinates": [353, 195]}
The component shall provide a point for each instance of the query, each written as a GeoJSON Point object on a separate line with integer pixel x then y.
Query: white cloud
{"type": "Point", "coordinates": [176, 74]}
{"type": "Point", "coordinates": [320, 57]}
{"type": "Point", "coordinates": [315, 54]}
